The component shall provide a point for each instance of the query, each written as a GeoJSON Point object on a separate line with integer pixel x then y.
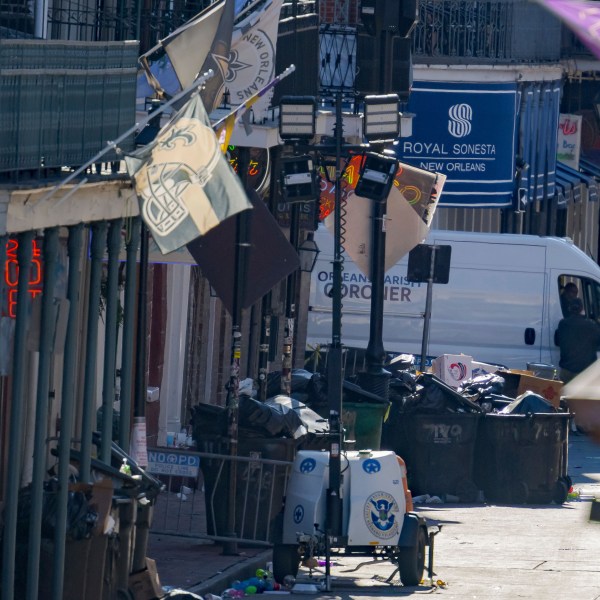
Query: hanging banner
{"type": "Point", "coordinates": [466, 131]}
{"type": "Point", "coordinates": [569, 140]}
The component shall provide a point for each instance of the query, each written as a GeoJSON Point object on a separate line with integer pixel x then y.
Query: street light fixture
{"type": "Point", "coordinates": [298, 178]}
{"type": "Point", "coordinates": [382, 118]}
{"type": "Point", "coordinates": [376, 176]}
{"type": "Point", "coordinates": [297, 115]}
{"type": "Point", "coordinates": [308, 252]}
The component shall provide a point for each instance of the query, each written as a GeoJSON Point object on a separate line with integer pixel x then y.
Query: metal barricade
{"type": "Point", "coordinates": [196, 506]}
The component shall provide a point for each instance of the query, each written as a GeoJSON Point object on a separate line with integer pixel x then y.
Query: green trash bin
{"type": "Point", "coordinates": [363, 422]}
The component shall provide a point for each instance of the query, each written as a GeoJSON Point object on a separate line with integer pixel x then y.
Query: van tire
{"type": "Point", "coordinates": [411, 561]}
{"type": "Point", "coordinates": [286, 561]}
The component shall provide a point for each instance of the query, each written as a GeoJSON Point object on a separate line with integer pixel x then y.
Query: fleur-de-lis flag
{"type": "Point", "coordinates": [184, 183]}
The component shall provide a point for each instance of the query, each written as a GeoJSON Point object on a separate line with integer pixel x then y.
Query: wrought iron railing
{"type": "Point", "coordinates": [486, 31]}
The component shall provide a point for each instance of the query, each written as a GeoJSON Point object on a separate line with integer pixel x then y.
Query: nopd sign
{"type": "Point", "coordinates": [173, 462]}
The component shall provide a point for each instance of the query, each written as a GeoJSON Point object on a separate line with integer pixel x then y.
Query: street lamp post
{"type": "Point", "coordinates": [381, 126]}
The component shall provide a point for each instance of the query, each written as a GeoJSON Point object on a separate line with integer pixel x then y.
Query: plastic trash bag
{"type": "Point", "coordinates": [490, 383]}
{"type": "Point", "coordinates": [528, 403]}
{"type": "Point", "coordinates": [261, 419]}
{"type": "Point", "coordinates": [311, 420]}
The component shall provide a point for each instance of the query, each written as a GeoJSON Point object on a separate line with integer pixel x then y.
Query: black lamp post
{"type": "Point", "coordinates": [381, 126]}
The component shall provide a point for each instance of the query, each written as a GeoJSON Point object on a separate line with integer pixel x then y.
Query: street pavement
{"type": "Point", "coordinates": [483, 551]}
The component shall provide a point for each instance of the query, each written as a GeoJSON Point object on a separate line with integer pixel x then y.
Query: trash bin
{"type": "Point", "coordinates": [362, 415]}
{"type": "Point", "coordinates": [439, 453]}
{"type": "Point", "coordinates": [363, 423]}
{"type": "Point", "coordinates": [543, 370]}
{"type": "Point", "coordinates": [522, 458]}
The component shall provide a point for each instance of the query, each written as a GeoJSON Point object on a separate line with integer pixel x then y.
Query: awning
{"type": "Point", "coordinates": [571, 184]}
{"type": "Point", "coordinates": [592, 169]}
{"type": "Point", "coordinates": [578, 179]}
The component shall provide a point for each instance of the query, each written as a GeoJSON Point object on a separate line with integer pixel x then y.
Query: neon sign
{"type": "Point", "coordinates": [258, 165]}
{"type": "Point", "coordinates": [11, 275]}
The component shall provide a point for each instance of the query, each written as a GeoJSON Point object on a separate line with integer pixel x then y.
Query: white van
{"type": "Point", "coordinates": [500, 306]}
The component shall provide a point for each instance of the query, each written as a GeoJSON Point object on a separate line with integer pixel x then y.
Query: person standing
{"type": "Point", "coordinates": [567, 295]}
{"type": "Point", "coordinates": [578, 338]}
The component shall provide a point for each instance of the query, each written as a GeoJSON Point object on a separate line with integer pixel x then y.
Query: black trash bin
{"type": "Point", "coordinates": [435, 430]}
{"type": "Point", "coordinates": [439, 452]}
{"type": "Point", "coordinates": [522, 458]}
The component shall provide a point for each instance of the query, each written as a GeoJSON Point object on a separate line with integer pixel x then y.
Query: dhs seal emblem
{"type": "Point", "coordinates": [381, 515]}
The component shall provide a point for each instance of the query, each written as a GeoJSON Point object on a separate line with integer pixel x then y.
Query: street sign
{"type": "Point", "coordinates": [173, 462]}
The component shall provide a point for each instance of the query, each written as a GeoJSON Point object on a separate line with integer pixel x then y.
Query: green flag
{"type": "Point", "coordinates": [184, 183]}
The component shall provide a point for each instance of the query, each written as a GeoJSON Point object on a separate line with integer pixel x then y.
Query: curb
{"type": "Point", "coordinates": [242, 570]}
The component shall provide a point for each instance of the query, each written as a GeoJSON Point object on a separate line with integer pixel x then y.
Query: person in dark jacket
{"type": "Point", "coordinates": [579, 339]}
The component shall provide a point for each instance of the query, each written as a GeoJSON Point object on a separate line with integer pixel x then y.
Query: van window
{"type": "Point", "coordinates": [580, 287]}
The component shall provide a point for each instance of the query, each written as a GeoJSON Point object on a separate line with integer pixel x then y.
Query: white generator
{"type": "Point", "coordinates": [377, 518]}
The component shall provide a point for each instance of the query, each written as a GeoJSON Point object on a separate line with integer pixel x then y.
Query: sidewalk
{"type": "Point", "coordinates": [200, 566]}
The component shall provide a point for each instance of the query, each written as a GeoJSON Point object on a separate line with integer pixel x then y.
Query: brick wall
{"type": "Point", "coordinates": [339, 12]}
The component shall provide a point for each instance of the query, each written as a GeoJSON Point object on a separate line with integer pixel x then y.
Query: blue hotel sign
{"type": "Point", "coordinates": [467, 131]}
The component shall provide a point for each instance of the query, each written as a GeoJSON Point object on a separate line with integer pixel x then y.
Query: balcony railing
{"type": "Point", "coordinates": [476, 31]}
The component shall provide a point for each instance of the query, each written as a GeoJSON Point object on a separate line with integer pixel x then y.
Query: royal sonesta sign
{"type": "Point", "coordinates": [467, 131]}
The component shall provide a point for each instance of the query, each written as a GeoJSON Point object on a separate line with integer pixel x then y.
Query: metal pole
{"type": "Point", "coordinates": [127, 360]}
{"type": "Point", "coordinates": [263, 347]}
{"type": "Point", "coordinates": [290, 308]}
{"type": "Point", "coordinates": [233, 391]}
{"type": "Point", "coordinates": [427, 315]}
{"type": "Point", "coordinates": [110, 343]}
{"type": "Point", "coordinates": [376, 379]}
{"type": "Point", "coordinates": [335, 373]}
{"type": "Point", "coordinates": [266, 313]}
{"type": "Point", "coordinates": [17, 412]}
{"type": "Point", "coordinates": [139, 408]}
{"type": "Point", "coordinates": [67, 411]}
{"type": "Point", "coordinates": [47, 327]}
{"type": "Point", "coordinates": [91, 341]}
{"type": "Point", "coordinates": [138, 445]}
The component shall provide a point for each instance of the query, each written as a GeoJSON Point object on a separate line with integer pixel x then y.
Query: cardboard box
{"type": "Point", "coordinates": [480, 368]}
{"type": "Point", "coordinates": [145, 585]}
{"type": "Point", "coordinates": [518, 382]}
{"type": "Point", "coordinates": [453, 369]}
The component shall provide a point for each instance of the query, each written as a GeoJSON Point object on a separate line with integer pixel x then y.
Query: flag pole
{"type": "Point", "coordinates": [241, 109]}
{"type": "Point", "coordinates": [202, 79]}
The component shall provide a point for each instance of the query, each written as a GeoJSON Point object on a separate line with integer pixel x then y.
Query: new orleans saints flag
{"type": "Point", "coordinates": [184, 183]}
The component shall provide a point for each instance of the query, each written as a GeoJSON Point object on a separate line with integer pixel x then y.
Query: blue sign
{"type": "Point", "coordinates": [173, 462]}
{"type": "Point", "coordinates": [466, 131]}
